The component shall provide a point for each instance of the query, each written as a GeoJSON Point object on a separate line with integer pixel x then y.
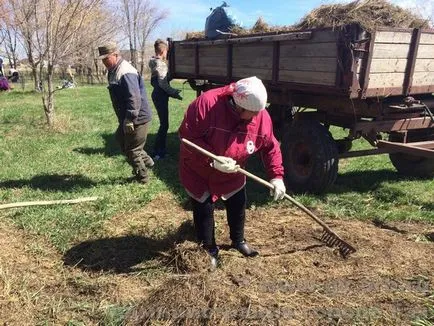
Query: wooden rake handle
{"type": "Point", "coordinates": [261, 181]}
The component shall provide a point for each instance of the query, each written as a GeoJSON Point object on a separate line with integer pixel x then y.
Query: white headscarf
{"type": "Point", "coordinates": [250, 94]}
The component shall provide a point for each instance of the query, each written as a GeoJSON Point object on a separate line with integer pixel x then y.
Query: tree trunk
{"type": "Point", "coordinates": [48, 98]}
{"type": "Point", "coordinates": [142, 62]}
{"type": "Point", "coordinates": [35, 77]}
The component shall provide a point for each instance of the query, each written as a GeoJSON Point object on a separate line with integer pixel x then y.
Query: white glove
{"type": "Point", "coordinates": [279, 189]}
{"type": "Point", "coordinates": [229, 165]}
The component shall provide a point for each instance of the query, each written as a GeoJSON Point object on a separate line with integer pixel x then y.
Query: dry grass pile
{"type": "Point", "coordinates": [297, 280]}
{"type": "Point", "coordinates": [187, 258]}
{"type": "Point", "coordinates": [369, 14]}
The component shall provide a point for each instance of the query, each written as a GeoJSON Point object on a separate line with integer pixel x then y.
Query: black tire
{"type": "Point", "coordinates": [276, 112]}
{"type": "Point", "coordinates": [411, 165]}
{"type": "Point", "coordinates": [310, 157]}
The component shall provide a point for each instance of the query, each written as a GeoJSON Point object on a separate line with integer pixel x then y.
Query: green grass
{"type": "Point", "coordinates": [79, 157]}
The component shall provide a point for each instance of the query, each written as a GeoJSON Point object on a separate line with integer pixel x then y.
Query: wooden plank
{"type": "Point", "coordinates": [264, 74]}
{"type": "Point", "coordinates": [325, 36]}
{"type": "Point", "coordinates": [307, 77]}
{"type": "Point", "coordinates": [309, 64]}
{"type": "Point", "coordinates": [327, 50]}
{"type": "Point", "coordinates": [190, 69]}
{"type": "Point", "coordinates": [388, 65]}
{"type": "Point", "coordinates": [260, 62]}
{"type": "Point", "coordinates": [259, 56]}
{"type": "Point", "coordinates": [386, 80]}
{"type": "Point", "coordinates": [184, 51]}
{"type": "Point", "coordinates": [424, 65]}
{"type": "Point", "coordinates": [213, 51]}
{"type": "Point", "coordinates": [213, 59]}
{"type": "Point", "coordinates": [425, 51]}
{"type": "Point", "coordinates": [311, 36]}
{"type": "Point", "coordinates": [393, 37]}
{"type": "Point", "coordinates": [384, 51]}
{"type": "Point", "coordinates": [252, 50]}
{"type": "Point", "coordinates": [251, 39]}
{"type": "Point", "coordinates": [426, 38]}
{"type": "Point", "coordinates": [423, 78]}
{"type": "Point", "coordinates": [213, 70]}
{"type": "Point", "coordinates": [182, 60]}
{"type": "Point", "coordinates": [183, 56]}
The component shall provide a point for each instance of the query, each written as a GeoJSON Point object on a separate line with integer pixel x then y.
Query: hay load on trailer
{"type": "Point", "coordinates": [368, 79]}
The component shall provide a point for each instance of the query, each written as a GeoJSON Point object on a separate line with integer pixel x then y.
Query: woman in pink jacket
{"type": "Point", "coordinates": [230, 122]}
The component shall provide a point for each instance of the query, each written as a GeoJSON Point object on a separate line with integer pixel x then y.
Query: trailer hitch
{"type": "Point", "coordinates": [409, 101]}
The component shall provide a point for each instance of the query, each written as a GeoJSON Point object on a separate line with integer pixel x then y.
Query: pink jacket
{"type": "Point", "coordinates": [212, 123]}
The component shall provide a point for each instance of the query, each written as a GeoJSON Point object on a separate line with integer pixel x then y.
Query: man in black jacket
{"type": "Point", "coordinates": [128, 96]}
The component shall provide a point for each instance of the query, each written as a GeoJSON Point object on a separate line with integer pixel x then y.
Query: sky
{"type": "Point", "coordinates": [190, 15]}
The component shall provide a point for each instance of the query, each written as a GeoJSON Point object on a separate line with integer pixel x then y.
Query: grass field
{"type": "Point", "coordinates": [79, 158]}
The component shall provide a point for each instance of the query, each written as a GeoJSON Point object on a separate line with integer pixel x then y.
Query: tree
{"type": "Point", "coordinates": [25, 23]}
{"type": "Point", "coordinates": [141, 17]}
{"type": "Point", "coordinates": [8, 35]}
{"type": "Point", "coordinates": [9, 40]}
{"type": "Point", "coordinates": [61, 25]}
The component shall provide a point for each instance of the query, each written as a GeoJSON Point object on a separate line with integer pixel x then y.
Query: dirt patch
{"type": "Point", "coordinates": [36, 288]}
{"type": "Point", "coordinates": [297, 280]}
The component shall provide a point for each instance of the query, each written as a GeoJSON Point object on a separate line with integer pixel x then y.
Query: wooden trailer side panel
{"type": "Point", "coordinates": [311, 59]}
{"type": "Point", "coordinates": [184, 59]}
{"type": "Point", "coordinates": [213, 60]}
{"type": "Point", "coordinates": [401, 63]}
{"type": "Point", "coordinates": [253, 60]}
{"type": "Point", "coordinates": [310, 63]}
{"type": "Point", "coordinates": [424, 66]}
{"type": "Point", "coordinates": [389, 61]}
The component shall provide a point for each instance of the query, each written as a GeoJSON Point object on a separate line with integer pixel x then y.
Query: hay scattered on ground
{"type": "Point", "coordinates": [298, 280]}
{"type": "Point", "coordinates": [369, 14]}
{"type": "Point", "coordinates": [187, 258]}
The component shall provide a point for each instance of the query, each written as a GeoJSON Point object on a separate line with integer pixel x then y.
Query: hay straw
{"type": "Point", "coordinates": [369, 14]}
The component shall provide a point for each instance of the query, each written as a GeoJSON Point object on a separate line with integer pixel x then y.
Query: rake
{"type": "Point", "coordinates": [329, 237]}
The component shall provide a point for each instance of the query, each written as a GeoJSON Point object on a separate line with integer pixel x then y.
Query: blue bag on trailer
{"type": "Point", "coordinates": [220, 20]}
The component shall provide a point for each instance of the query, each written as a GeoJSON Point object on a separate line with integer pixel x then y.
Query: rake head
{"type": "Point", "coordinates": [331, 239]}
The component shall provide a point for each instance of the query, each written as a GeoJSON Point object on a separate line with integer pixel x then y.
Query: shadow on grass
{"type": "Point", "coordinates": [120, 255]}
{"type": "Point", "coordinates": [366, 180]}
{"type": "Point", "coordinates": [50, 182]}
{"type": "Point", "coordinates": [111, 147]}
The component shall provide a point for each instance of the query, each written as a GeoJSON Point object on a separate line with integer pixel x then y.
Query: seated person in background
{"type": "Point", "coordinates": [13, 75]}
{"type": "Point", "coordinates": [4, 85]}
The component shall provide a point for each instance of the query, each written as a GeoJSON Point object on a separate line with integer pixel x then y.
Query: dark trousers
{"type": "Point", "coordinates": [132, 146]}
{"type": "Point", "coordinates": [203, 216]}
{"type": "Point", "coordinates": [161, 102]}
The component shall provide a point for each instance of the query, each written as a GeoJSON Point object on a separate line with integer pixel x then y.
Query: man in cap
{"type": "Point", "coordinates": [230, 122]}
{"type": "Point", "coordinates": [128, 96]}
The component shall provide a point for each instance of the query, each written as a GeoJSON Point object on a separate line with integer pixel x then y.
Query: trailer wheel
{"type": "Point", "coordinates": [281, 116]}
{"type": "Point", "coordinates": [411, 165]}
{"type": "Point", "coordinates": [310, 157]}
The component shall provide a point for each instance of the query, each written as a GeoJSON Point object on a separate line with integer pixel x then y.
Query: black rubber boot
{"type": "Point", "coordinates": [245, 249]}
